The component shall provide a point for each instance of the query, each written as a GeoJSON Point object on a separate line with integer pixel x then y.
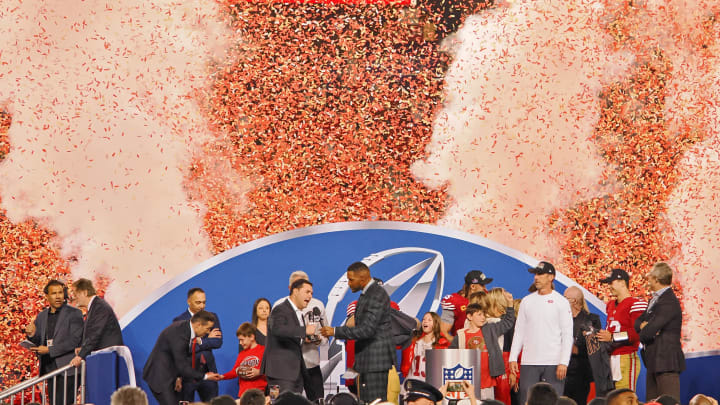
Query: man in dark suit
{"type": "Point", "coordinates": [102, 328]}
{"type": "Point", "coordinates": [374, 350]}
{"type": "Point", "coordinates": [659, 328]}
{"type": "Point", "coordinates": [580, 371]}
{"type": "Point", "coordinates": [204, 359]}
{"type": "Point", "coordinates": [172, 357]}
{"type": "Point", "coordinates": [57, 331]}
{"type": "Point", "coordinates": [283, 363]}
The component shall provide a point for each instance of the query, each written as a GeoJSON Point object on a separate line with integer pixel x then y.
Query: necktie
{"type": "Point", "coordinates": [194, 342]}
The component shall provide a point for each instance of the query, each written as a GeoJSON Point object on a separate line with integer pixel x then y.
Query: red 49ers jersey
{"type": "Point", "coordinates": [621, 318]}
{"type": "Point", "coordinates": [453, 308]}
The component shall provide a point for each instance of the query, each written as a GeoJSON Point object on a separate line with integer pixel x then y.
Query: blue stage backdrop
{"type": "Point", "coordinates": [420, 264]}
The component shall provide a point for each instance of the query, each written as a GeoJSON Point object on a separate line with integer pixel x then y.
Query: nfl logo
{"type": "Point", "coordinates": [455, 377]}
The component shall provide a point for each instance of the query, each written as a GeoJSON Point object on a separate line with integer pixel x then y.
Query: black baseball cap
{"type": "Point", "coordinates": [477, 277]}
{"type": "Point", "coordinates": [616, 274]}
{"type": "Point", "coordinates": [416, 389]}
{"type": "Point", "coordinates": [543, 268]}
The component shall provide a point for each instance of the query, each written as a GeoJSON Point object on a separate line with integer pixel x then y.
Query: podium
{"type": "Point", "coordinates": [107, 370]}
{"type": "Point", "coordinates": [454, 365]}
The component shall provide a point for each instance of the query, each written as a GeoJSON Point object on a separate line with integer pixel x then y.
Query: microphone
{"type": "Point", "coordinates": [318, 316]}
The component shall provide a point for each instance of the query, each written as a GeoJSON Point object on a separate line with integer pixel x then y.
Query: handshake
{"type": "Point", "coordinates": [213, 376]}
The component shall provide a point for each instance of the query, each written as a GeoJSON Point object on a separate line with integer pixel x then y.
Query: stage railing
{"type": "Point", "coordinates": [40, 385]}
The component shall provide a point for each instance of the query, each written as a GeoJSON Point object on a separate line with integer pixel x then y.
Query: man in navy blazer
{"type": "Point", "coordinates": [102, 328]}
{"type": "Point", "coordinates": [659, 328]}
{"type": "Point", "coordinates": [172, 357]}
{"type": "Point", "coordinates": [374, 349]}
{"type": "Point", "coordinates": [57, 331]}
{"type": "Point", "coordinates": [204, 358]}
{"type": "Point", "coordinates": [283, 363]}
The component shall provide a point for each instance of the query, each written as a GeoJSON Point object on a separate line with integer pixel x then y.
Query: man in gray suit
{"type": "Point", "coordinates": [374, 350]}
{"type": "Point", "coordinates": [56, 332]}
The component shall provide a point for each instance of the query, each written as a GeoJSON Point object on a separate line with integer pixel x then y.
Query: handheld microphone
{"type": "Point", "coordinates": [317, 315]}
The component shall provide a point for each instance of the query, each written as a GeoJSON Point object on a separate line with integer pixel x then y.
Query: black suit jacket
{"type": "Point", "coordinates": [283, 353]}
{"type": "Point", "coordinates": [662, 351]}
{"type": "Point", "coordinates": [102, 328]}
{"type": "Point", "coordinates": [67, 336]}
{"type": "Point", "coordinates": [374, 348]}
{"type": "Point", "coordinates": [204, 350]}
{"type": "Point", "coordinates": [170, 358]}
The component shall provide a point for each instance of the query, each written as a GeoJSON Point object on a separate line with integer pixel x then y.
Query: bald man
{"type": "Point", "coordinates": [579, 373]}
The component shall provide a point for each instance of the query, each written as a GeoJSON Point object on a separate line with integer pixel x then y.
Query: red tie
{"type": "Point", "coordinates": [194, 341]}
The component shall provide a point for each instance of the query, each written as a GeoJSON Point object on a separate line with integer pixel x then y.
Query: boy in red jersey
{"type": "Point", "coordinates": [483, 336]}
{"type": "Point", "coordinates": [247, 365]}
{"type": "Point", "coordinates": [621, 315]}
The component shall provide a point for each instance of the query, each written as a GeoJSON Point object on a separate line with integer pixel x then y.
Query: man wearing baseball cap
{"type": "Point", "coordinates": [620, 331]}
{"type": "Point", "coordinates": [544, 334]}
{"type": "Point", "coordinates": [453, 306]}
{"type": "Point", "coordinates": [421, 393]}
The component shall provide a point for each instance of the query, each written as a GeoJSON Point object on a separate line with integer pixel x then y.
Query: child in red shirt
{"type": "Point", "coordinates": [484, 336]}
{"type": "Point", "coordinates": [247, 365]}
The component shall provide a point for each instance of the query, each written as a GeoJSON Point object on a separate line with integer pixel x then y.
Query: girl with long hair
{"type": "Point", "coordinates": [428, 337]}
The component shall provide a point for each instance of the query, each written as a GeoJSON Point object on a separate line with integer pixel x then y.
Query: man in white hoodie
{"type": "Point", "coordinates": [544, 334]}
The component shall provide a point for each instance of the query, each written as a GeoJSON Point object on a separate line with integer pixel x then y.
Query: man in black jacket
{"type": "Point", "coordinates": [56, 332]}
{"type": "Point", "coordinates": [374, 349]}
{"type": "Point", "coordinates": [204, 358]}
{"type": "Point", "coordinates": [102, 328]}
{"type": "Point", "coordinates": [580, 372]}
{"type": "Point", "coordinates": [283, 363]}
{"type": "Point", "coordinates": [659, 328]}
{"type": "Point", "coordinates": [172, 357]}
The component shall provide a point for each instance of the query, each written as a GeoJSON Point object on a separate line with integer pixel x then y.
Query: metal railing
{"type": "Point", "coordinates": [40, 384]}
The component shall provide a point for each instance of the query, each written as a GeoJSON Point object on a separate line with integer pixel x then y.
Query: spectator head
{"type": "Point", "coordinates": [246, 335]}
{"type": "Point", "coordinates": [343, 398]}
{"type": "Point", "coordinates": [56, 293]}
{"type": "Point", "coordinates": [701, 399]}
{"type": "Point", "coordinates": [290, 398]}
{"type": "Point", "coordinates": [619, 282]}
{"type": "Point", "coordinates": [544, 275]}
{"type": "Point", "coordinates": [666, 400]}
{"type": "Point", "coordinates": [575, 297]}
{"type": "Point", "coordinates": [128, 395]}
{"type": "Point", "coordinates": [475, 315]}
{"type": "Point", "coordinates": [542, 394]}
{"type": "Point", "coordinates": [475, 280]}
{"type": "Point", "coordinates": [358, 275]}
{"type": "Point", "coordinates": [223, 400]}
{"type": "Point", "coordinates": [261, 310]}
{"type": "Point", "coordinates": [597, 401]}
{"type": "Point", "coordinates": [253, 396]}
{"type": "Point", "coordinates": [296, 275]}
{"type": "Point", "coordinates": [563, 400]}
{"type": "Point", "coordinates": [84, 291]}
{"type": "Point", "coordinates": [421, 393]}
{"type": "Point", "coordinates": [202, 323]}
{"type": "Point", "coordinates": [301, 292]}
{"type": "Point", "coordinates": [660, 276]}
{"type": "Point", "coordinates": [431, 325]}
{"type": "Point", "coordinates": [477, 297]}
{"type": "Point", "coordinates": [196, 299]}
{"type": "Point", "coordinates": [621, 396]}
{"type": "Point", "coordinates": [496, 302]}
